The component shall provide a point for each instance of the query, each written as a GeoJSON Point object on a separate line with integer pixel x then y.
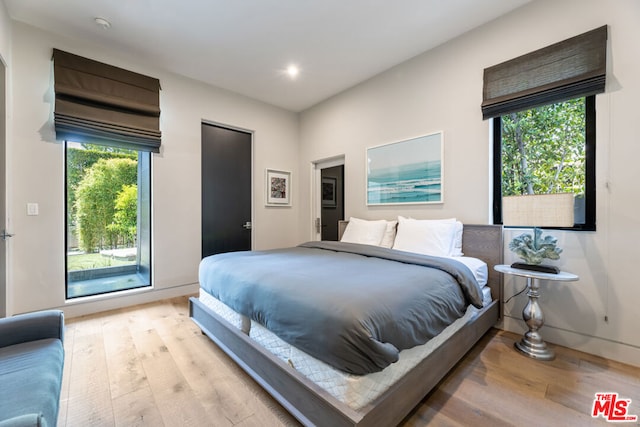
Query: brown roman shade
{"type": "Point", "coordinates": [102, 104]}
{"type": "Point", "coordinates": [569, 69]}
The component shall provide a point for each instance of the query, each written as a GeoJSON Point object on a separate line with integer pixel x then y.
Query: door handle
{"type": "Point", "coordinates": [247, 225]}
{"type": "Point", "coordinates": [4, 236]}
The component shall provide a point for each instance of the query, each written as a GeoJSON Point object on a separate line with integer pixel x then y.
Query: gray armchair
{"type": "Point", "coordinates": [31, 364]}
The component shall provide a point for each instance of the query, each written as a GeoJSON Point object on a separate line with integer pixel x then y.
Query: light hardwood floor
{"type": "Point", "coordinates": [150, 365]}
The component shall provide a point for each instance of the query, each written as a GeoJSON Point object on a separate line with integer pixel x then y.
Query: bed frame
{"type": "Point", "coordinates": [311, 404]}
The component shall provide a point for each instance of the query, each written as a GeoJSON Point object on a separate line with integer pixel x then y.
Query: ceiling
{"type": "Point", "coordinates": [245, 46]}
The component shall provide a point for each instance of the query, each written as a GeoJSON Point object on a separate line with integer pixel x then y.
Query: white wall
{"type": "Point", "coordinates": [5, 33]}
{"type": "Point", "coordinates": [442, 90]}
{"type": "Point", "coordinates": [5, 59]}
{"type": "Point", "coordinates": [37, 250]}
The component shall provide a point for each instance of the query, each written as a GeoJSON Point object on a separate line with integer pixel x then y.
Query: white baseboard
{"type": "Point", "coordinates": [91, 305]}
{"type": "Point", "coordinates": [617, 351]}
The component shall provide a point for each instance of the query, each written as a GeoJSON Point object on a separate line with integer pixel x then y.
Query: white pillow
{"type": "Point", "coordinates": [427, 237]}
{"type": "Point", "coordinates": [389, 234]}
{"type": "Point", "coordinates": [457, 246]}
{"type": "Point", "coordinates": [364, 232]}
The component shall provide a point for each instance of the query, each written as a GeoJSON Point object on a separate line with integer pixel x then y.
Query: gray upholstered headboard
{"type": "Point", "coordinates": [342, 225]}
{"type": "Point", "coordinates": [478, 241]}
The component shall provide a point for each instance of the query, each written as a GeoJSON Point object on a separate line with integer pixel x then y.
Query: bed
{"type": "Point", "coordinates": [280, 368]}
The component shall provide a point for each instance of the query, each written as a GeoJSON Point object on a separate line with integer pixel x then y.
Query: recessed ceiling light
{"type": "Point", "coordinates": [293, 71]}
{"type": "Point", "coordinates": [101, 22]}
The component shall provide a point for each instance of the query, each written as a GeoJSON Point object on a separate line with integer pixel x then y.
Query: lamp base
{"type": "Point", "coordinates": [536, 267]}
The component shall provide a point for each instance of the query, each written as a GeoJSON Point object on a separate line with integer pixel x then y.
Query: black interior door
{"type": "Point", "coordinates": [3, 207]}
{"type": "Point", "coordinates": [332, 201]}
{"type": "Point", "coordinates": [226, 190]}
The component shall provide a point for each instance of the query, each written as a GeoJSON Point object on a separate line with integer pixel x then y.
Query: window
{"type": "Point", "coordinates": [543, 108]}
{"type": "Point", "coordinates": [109, 120]}
{"type": "Point", "coordinates": [548, 149]}
{"type": "Point", "coordinates": [107, 219]}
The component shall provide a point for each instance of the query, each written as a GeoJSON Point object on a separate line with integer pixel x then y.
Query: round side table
{"type": "Point", "coordinates": [531, 343]}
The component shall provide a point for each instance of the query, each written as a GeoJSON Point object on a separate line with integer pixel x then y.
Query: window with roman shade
{"type": "Point", "coordinates": [101, 104]}
{"type": "Point", "coordinates": [569, 69]}
{"type": "Point", "coordinates": [544, 117]}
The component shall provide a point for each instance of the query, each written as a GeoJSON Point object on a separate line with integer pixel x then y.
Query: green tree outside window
{"type": "Point", "coordinates": [543, 150]}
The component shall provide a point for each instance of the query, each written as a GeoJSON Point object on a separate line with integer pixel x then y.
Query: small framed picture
{"type": "Point", "coordinates": [278, 188]}
{"type": "Point", "coordinates": [329, 192]}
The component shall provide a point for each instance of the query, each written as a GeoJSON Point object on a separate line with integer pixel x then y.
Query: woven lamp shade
{"type": "Point", "coordinates": [538, 210]}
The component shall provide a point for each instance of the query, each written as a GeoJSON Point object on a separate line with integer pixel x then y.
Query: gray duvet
{"type": "Point", "coordinates": [352, 306]}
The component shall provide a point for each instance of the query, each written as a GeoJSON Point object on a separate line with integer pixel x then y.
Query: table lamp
{"type": "Point", "coordinates": [537, 210]}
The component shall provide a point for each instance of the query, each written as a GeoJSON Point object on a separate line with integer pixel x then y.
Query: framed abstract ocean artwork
{"type": "Point", "coordinates": [406, 172]}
